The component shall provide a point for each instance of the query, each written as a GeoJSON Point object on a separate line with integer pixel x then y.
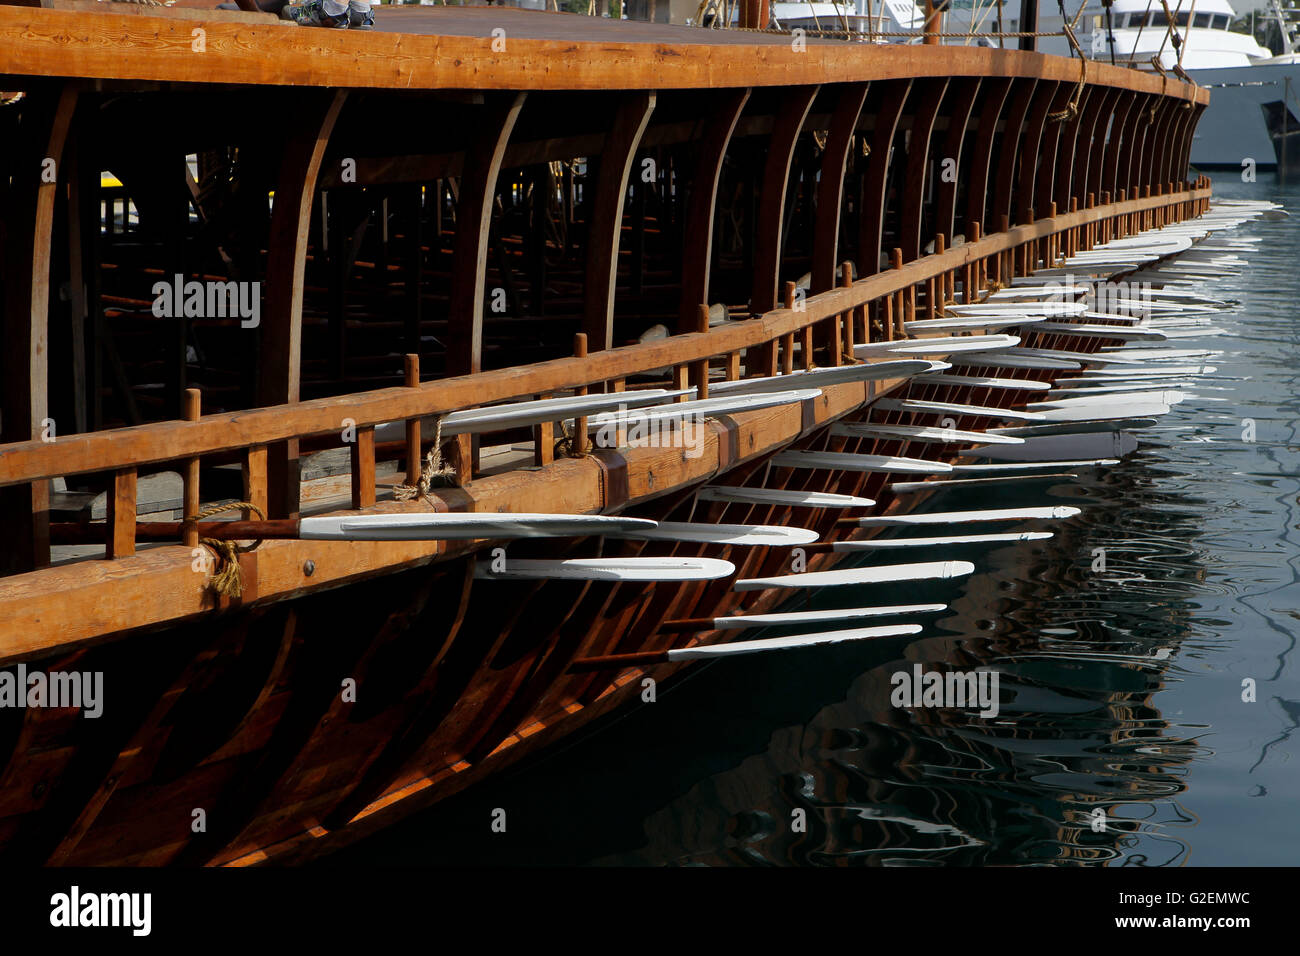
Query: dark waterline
{"type": "Point", "coordinates": [1121, 688]}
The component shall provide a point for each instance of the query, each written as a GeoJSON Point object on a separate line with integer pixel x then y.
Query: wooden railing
{"type": "Point", "coordinates": [836, 320]}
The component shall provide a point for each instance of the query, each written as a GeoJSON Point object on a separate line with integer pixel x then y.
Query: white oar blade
{"type": "Point", "coordinates": [723, 405]}
{"type": "Point", "coordinates": [737, 648]}
{"type": "Point", "coordinates": [824, 377]}
{"type": "Point", "coordinates": [468, 526]}
{"type": "Point", "coordinates": [735, 534]}
{"type": "Point", "coordinates": [1104, 412]}
{"type": "Point", "coordinates": [844, 461]}
{"type": "Point", "coordinates": [781, 619]}
{"type": "Point", "coordinates": [1094, 444]}
{"type": "Point", "coordinates": [983, 381]}
{"type": "Point", "coordinates": [477, 420]}
{"type": "Point", "coordinates": [919, 407]}
{"type": "Point", "coordinates": [609, 569]}
{"type": "Point", "coordinates": [890, 574]}
{"type": "Point", "coordinates": [966, 517]}
{"type": "Point", "coordinates": [945, 345]}
{"type": "Point", "coordinates": [919, 433]}
{"type": "Point", "coordinates": [789, 499]}
{"type": "Point", "coordinates": [894, 544]}
{"type": "Point", "coordinates": [908, 487]}
{"type": "Point", "coordinates": [1034, 465]}
{"type": "Point", "coordinates": [994, 360]}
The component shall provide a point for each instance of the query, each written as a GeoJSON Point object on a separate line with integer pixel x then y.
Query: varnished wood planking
{"type": "Point", "coordinates": [643, 56]}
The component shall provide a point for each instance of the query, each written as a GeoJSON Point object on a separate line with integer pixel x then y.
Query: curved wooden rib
{"type": "Point", "coordinates": [871, 222]}
{"type": "Point", "coordinates": [612, 170]}
{"type": "Point", "coordinates": [697, 234]}
{"type": "Point", "coordinates": [33, 162]}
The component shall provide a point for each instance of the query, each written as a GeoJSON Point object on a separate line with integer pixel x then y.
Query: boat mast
{"type": "Point", "coordinates": [1029, 24]}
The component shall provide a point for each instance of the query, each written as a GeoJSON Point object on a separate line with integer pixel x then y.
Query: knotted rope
{"type": "Point", "coordinates": [994, 286]}
{"type": "Point", "coordinates": [227, 580]}
{"type": "Point", "coordinates": [566, 446]}
{"type": "Point", "coordinates": [435, 474]}
{"type": "Point", "coordinates": [1072, 107]}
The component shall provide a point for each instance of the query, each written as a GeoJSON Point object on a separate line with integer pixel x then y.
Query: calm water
{"type": "Point", "coordinates": [1122, 688]}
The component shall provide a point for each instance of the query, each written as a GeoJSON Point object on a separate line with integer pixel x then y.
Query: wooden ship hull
{"type": "Point", "coordinates": [443, 216]}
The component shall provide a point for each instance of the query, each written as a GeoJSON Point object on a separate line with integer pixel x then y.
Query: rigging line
{"type": "Point", "coordinates": [1169, 30]}
{"type": "Point", "coordinates": [1141, 26]}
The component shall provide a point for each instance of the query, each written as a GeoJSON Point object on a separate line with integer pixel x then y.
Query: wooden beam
{"type": "Point", "coordinates": [1049, 146]}
{"type": "Point", "coordinates": [791, 111]}
{"type": "Point", "coordinates": [1091, 143]}
{"type": "Point", "coordinates": [606, 216]}
{"type": "Point", "coordinates": [280, 371]}
{"type": "Point", "coordinates": [474, 204]}
{"type": "Point", "coordinates": [701, 203]}
{"type": "Point", "coordinates": [1134, 132]}
{"type": "Point", "coordinates": [963, 102]}
{"type": "Point", "coordinates": [977, 187]}
{"type": "Point", "coordinates": [1108, 169]}
{"type": "Point", "coordinates": [912, 198]}
{"type": "Point", "coordinates": [830, 184]}
{"type": "Point", "coordinates": [34, 163]}
{"type": "Point", "coordinates": [1030, 144]}
{"type": "Point", "coordinates": [1018, 107]}
{"type": "Point", "coordinates": [546, 53]}
{"type": "Point", "coordinates": [871, 222]}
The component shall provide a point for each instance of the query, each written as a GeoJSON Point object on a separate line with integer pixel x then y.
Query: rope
{"type": "Point", "coordinates": [564, 448]}
{"type": "Point", "coordinates": [227, 580]}
{"type": "Point", "coordinates": [994, 286]}
{"type": "Point", "coordinates": [435, 474]}
{"type": "Point", "coordinates": [1072, 107]}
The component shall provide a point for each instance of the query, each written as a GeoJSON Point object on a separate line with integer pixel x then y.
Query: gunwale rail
{"type": "Point", "coordinates": [160, 442]}
{"type": "Point", "coordinates": [452, 48]}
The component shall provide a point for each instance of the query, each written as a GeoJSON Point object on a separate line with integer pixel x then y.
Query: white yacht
{"type": "Point", "coordinates": [1242, 75]}
{"type": "Point", "coordinates": [1247, 80]}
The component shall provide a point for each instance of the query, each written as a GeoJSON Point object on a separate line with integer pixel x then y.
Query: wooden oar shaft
{"type": "Point", "coordinates": [688, 624]}
{"type": "Point", "coordinates": [617, 661]}
{"type": "Point", "coordinates": [75, 533]}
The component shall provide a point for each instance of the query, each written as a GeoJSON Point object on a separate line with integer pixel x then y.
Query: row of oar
{"type": "Point", "coordinates": [1082, 419]}
{"type": "Point", "coordinates": [1089, 411]}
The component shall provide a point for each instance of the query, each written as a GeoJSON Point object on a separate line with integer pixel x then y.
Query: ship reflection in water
{"type": "Point", "coordinates": [1121, 646]}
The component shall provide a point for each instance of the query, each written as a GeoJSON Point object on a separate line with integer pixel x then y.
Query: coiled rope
{"type": "Point", "coordinates": [227, 580]}
{"type": "Point", "coordinates": [434, 474]}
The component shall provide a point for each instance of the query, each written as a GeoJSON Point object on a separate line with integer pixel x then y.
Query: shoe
{"type": "Point", "coordinates": [317, 13]}
{"type": "Point", "coordinates": [360, 15]}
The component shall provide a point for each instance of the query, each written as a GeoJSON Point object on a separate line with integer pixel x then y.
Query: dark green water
{"type": "Point", "coordinates": [1122, 688]}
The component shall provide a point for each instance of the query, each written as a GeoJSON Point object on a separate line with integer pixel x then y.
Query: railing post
{"type": "Point", "coordinates": [580, 422]}
{"type": "Point", "coordinates": [363, 468]}
{"type": "Point", "coordinates": [846, 281]}
{"type": "Point", "coordinates": [256, 482]}
{"type": "Point", "coordinates": [191, 413]}
{"type": "Point", "coordinates": [896, 329]}
{"type": "Point", "coordinates": [787, 340]}
{"type": "Point", "coordinates": [414, 465]}
{"type": "Point", "coordinates": [700, 369]}
{"type": "Point", "coordinates": [121, 515]}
